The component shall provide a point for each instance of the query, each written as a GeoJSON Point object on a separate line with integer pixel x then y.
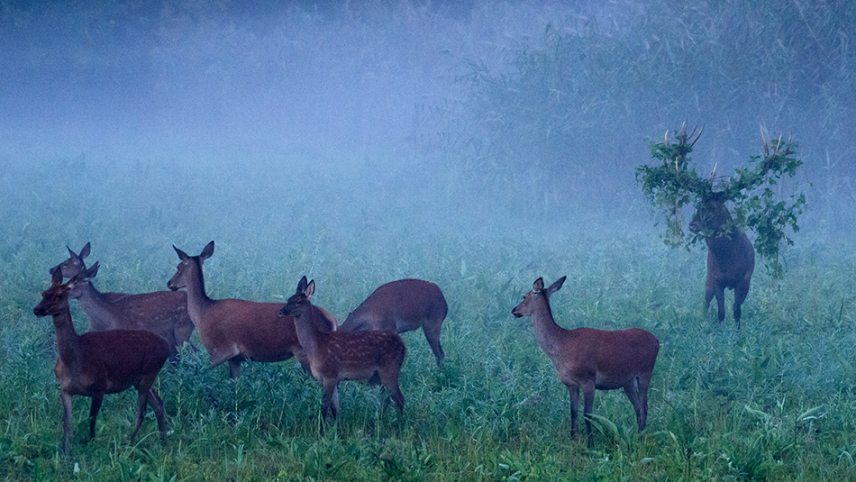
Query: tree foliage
{"type": "Point", "coordinates": [672, 182]}
{"type": "Point", "coordinates": [548, 114]}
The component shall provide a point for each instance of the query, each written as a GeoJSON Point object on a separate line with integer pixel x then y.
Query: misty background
{"type": "Point", "coordinates": [352, 126]}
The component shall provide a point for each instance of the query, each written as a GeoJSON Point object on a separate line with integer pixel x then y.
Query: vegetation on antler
{"type": "Point", "coordinates": [672, 183]}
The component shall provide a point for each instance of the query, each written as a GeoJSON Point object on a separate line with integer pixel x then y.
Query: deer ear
{"type": "Point", "coordinates": [91, 272]}
{"type": "Point", "coordinates": [310, 289]}
{"type": "Point", "coordinates": [301, 285]}
{"type": "Point", "coordinates": [207, 251]}
{"type": "Point", "coordinates": [181, 254]}
{"type": "Point", "coordinates": [538, 285]}
{"type": "Point", "coordinates": [84, 251]}
{"type": "Point", "coordinates": [556, 285]}
{"type": "Point", "coordinates": [56, 276]}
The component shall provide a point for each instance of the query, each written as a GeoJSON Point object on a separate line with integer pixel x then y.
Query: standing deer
{"type": "Point", "coordinates": [337, 356]}
{"type": "Point", "coordinates": [401, 306]}
{"type": "Point", "coordinates": [730, 255]}
{"type": "Point", "coordinates": [234, 330]}
{"type": "Point", "coordinates": [101, 362]}
{"type": "Point", "coordinates": [592, 359]}
{"type": "Point", "coordinates": [161, 312]}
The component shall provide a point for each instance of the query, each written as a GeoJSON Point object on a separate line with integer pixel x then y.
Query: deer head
{"type": "Point", "coordinates": [299, 302]}
{"type": "Point", "coordinates": [186, 264]}
{"type": "Point", "coordinates": [711, 218]}
{"type": "Point", "coordinates": [74, 264]}
{"type": "Point", "coordinates": [536, 297]}
{"type": "Point", "coordinates": [55, 298]}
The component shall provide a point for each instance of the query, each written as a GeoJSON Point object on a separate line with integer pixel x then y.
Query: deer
{"type": "Point", "coordinates": [234, 330]}
{"type": "Point", "coordinates": [161, 312]}
{"type": "Point", "coordinates": [592, 359]}
{"type": "Point", "coordinates": [730, 255]}
{"type": "Point", "coordinates": [401, 306]}
{"type": "Point", "coordinates": [101, 362]}
{"type": "Point", "coordinates": [375, 356]}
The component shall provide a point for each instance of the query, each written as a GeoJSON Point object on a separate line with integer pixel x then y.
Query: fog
{"type": "Point", "coordinates": [378, 116]}
{"type": "Point", "coordinates": [142, 80]}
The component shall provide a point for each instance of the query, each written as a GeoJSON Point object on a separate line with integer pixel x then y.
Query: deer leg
{"type": "Point", "coordinates": [389, 379]}
{"type": "Point", "coordinates": [233, 352]}
{"type": "Point", "coordinates": [234, 368]}
{"type": "Point", "coordinates": [708, 295]}
{"type": "Point", "coordinates": [632, 392]}
{"type": "Point", "coordinates": [720, 303]}
{"type": "Point", "coordinates": [67, 429]}
{"type": "Point", "coordinates": [93, 412]}
{"type": "Point", "coordinates": [307, 369]}
{"type": "Point", "coordinates": [397, 397]}
{"type": "Point", "coordinates": [740, 293]}
{"type": "Point", "coordinates": [643, 383]}
{"type": "Point", "coordinates": [142, 399]}
{"type": "Point", "coordinates": [335, 400]}
{"type": "Point", "coordinates": [432, 334]}
{"type": "Point", "coordinates": [330, 398]}
{"type": "Point", "coordinates": [574, 394]}
{"type": "Point", "coordinates": [588, 401]}
{"type": "Point", "coordinates": [157, 406]}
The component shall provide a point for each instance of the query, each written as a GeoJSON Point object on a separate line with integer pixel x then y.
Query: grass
{"type": "Point", "coordinates": [774, 401]}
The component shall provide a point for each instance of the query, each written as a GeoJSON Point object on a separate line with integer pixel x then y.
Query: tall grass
{"type": "Point", "coordinates": [772, 401]}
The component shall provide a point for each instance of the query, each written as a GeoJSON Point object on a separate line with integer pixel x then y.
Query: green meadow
{"type": "Point", "coordinates": [775, 400]}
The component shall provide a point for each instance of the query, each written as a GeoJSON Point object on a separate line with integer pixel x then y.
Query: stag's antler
{"type": "Point", "coordinates": [688, 139]}
{"type": "Point", "coordinates": [697, 136]}
{"type": "Point", "coordinates": [685, 141]}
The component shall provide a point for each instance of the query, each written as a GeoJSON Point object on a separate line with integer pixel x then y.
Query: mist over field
{"type": "Point", "coordinates": [476, 144]}
{"type": "Point", "coordinates": [473, 104]}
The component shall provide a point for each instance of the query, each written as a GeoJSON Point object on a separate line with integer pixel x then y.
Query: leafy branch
{"type": "Point", "coordinates": [672, 183]}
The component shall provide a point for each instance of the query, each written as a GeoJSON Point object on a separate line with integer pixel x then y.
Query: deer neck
{"type": "Point", "coordinates": [304, 324]}
{"type": "Point", "coordinates": [547, 332]}
{"type": "Point", "coordinates": [197, 298]}
{"type": "Point", "coordinates": [67, 340]}
{"type": "Point", "coordinates": [96, 306]}
{"type": "Point", "coordinates": [724, 242]}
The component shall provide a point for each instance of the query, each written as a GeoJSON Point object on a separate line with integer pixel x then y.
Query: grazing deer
{"type": "Point", "coordinates": [234, 330]}
{"type": "Point", "coordinates": [592, 359]}
{"type": "Point", "coordinates": [730, 255]}
{"type": "Point", "coordinates": [161, 312]}
{"type": "Point", "coordinates": [101, 362]}
{"type": "Point", "coordinates": [401, 306]}
{"type": "Point", "coordinates": [337, 356]}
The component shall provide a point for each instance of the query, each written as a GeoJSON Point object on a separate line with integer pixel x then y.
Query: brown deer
{"type": "Point", "coordinates": [730, 255]}
{"type": "Point", "coordinates": [401, 306]}
{"type": "Point", "coordinates": [101, 362]}
{"type": "Point", "coordinates": [234, 330]}
{"type": "Point", "coordinates": [161, 312]}
{"type": "Point", "coordinates": [337, 356]}
{"type": "Point", "coordinates": [592, 359]}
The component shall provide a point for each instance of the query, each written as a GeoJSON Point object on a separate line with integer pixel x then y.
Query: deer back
{"type": "Point", "coordinates": [610, 358]}
{"type": "Point", "coordinates": [400, 305]}
{"type": "Point", "coordinates": [256, 329]}
{"type": "Point", "coordinates": [112, 361]}
{"type": "Point", "coordinates": [364, 350]}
